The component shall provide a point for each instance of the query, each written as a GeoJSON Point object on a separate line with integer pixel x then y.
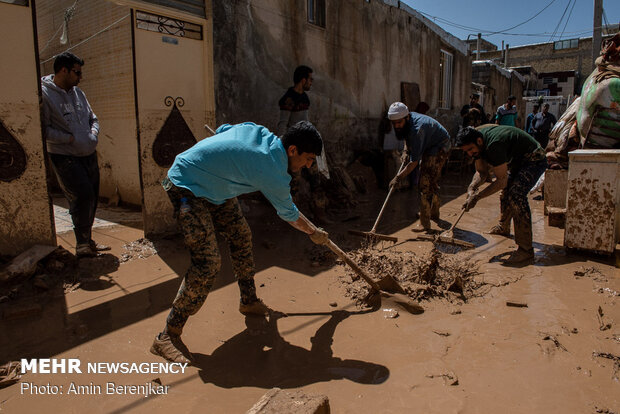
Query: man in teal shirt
{"type": "Point", "coordinates": [203, 184]}
{"type": "Point", "coordinates": [507, 113]}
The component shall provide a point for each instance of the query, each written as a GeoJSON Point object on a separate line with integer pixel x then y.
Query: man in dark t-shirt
{"type": "Point", "coordinates": [474, 103]}
{"type": "Point", "coordinates": [518, 161]}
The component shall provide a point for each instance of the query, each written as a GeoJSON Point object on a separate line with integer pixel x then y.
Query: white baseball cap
{"type": "Point", "coordinates": [398, 110]}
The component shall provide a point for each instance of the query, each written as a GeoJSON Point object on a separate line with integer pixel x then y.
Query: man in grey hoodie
{"type": "Point", "coordinates": [71, 129]}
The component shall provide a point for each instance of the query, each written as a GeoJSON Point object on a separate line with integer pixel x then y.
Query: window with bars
{"type": "Point", "coordinates": [18, 2]}
{"type": "Point", "coordinates": [196, 7]}
{"type": "Point", "coordinates": [316, 12]}
{"type": "Point", "coordinates": [445, 80]}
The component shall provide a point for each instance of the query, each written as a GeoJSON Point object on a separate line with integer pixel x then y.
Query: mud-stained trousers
{"type": "Point", "coordinates": [199, 226]}
{"type": "Point", "coordinates": [514, 204]}
{"type": "Point", "coordinates": [430, 174]}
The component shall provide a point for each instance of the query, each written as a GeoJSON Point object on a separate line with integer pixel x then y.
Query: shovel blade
{"type": "Point", "coordinates": [389, 284]}
{"type": "Point", "coordinates": [401, 300]}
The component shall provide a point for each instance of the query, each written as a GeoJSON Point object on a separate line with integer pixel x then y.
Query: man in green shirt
{"type": "Point", "coordinates": [518, 161]}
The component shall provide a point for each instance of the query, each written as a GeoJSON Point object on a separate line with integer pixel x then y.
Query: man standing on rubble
{"type": "Point", "coordinates": [518, 161]}
{"type": "Point", "coordinates": [428, 144]}
{"type": "Point", "coordinates": [203, 184]}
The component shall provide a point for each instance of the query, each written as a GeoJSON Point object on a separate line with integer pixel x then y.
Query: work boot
{"type": "Point", "coordinates": [256, 307]}
{"type": "Point", "coordinates": [499, 230]}
{"type": "Point", "coordinates": [96, 247]}
{"type": "Point", "coordinates": [435, 207]}
{"type": "Point", "coordinates": [84, 250]}
{"type": "Point", "coordinates": [419, 228]}
{"type": "Point", "coordinates": [171, 348]}
{"type": "Point", "coordinates": [520, 256]}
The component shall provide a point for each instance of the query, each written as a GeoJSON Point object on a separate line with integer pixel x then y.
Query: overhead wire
{"type": "Point", "coordinates": [555, 31]}
{"type": "Point", "coordinates": [486, 32]}
{"type": "Point", "coordinates": [528, 20]}
{"type": "Point", "coordinates": [568, 18]}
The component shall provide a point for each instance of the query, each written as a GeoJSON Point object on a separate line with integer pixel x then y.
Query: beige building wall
{"type": "Point", "coordinates": [107, 82]}
{"type": "Point", "coordinates": [25, 207]}
{"type": "Point", "coordinates": [543, 58]}
{"type": "Point", "coordinates": [499, 85]}
{"type": "Point", "coordinates": [359, 59]}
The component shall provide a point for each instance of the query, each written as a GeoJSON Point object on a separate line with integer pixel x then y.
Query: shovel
{"type": "Point", "coordinates": [387, 289]}
{"type": "Point", "coordinates": [447, 236]}
{"type": "Point", "coordinates": [372, 234]}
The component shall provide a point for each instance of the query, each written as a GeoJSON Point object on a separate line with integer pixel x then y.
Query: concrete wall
{"type": "Point", "coordinates": [544, 58]}
{"type": "Point", "coordinates": [359, 59]}
{"type": "Point", "coordinates": [500, 84]}
{"type": "Point", "coordinates": [25, 212]}
{"type": "Point", "coordinates": [107, 83]}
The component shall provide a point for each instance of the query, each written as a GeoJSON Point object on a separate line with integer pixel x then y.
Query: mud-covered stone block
{"type": "Point", "coordinates": [276, 401]}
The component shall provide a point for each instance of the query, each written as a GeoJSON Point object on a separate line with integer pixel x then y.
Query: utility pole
{"type": "Point", "coordinates": [597, 30]}
{"type": "Point", "coordinates": [478, 46]}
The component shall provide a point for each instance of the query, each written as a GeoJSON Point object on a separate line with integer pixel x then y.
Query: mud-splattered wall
{"type": "Point", "coordinates": [359, 59]}
{"type": "Point", "coordinates": [25, 212]}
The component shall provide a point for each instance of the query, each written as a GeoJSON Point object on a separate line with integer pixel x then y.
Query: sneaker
{"type": "Point", "coordinates": [96, 247]}
{"type": "Point", "coordinates": [254, 308]}
{"type": "Point", "coordinates": [171, 348]}
{"type": "Point", "coordinates": [520, 256]}
{"type": "Point", "coordinates": [84, 250]}
{"type": "Point", "coordinates": [499, 230]}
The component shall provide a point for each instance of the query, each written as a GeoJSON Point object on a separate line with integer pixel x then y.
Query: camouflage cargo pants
{"type": "Point", "coordinates": [430, 174]}
{"type": "Point", "coordinates": [199, 226]}
{"type": "Point", "coordinates": [514, 204]}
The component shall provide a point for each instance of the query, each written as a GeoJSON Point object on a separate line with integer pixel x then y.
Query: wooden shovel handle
{"type": "Point", "coordinates": [374, 228]}
{"type": "Point", "coordinates": [457, 220]}
{"type": "Point", "coordinates": [332, 246]}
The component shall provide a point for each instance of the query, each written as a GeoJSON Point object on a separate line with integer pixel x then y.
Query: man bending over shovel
{"type": "Point", "coordinates": [428, 144]}
{"type": "Point", "coordinates": [518, 161]}
{"type": "Point", "coordinates": [203, 184]}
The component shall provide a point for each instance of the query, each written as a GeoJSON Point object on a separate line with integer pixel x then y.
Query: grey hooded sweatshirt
{"type": "Point", "coordinates": [66, 114]}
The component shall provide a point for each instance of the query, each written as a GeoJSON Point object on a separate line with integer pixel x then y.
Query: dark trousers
{"type": "Point", "coordinates": [542, 137]}
{"type": "Point", "coordinates": [79, 181]}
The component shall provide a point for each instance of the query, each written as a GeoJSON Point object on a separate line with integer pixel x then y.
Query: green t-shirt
{"type": "Point", "coordinates": [506, 144]}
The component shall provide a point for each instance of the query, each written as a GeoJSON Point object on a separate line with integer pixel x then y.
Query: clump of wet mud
{"type": "Point", "coordinates": [432, 275]}
{"type": "Point", "coordinates": [138, 249]}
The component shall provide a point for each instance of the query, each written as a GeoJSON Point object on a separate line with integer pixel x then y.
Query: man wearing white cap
{"type": "Point", "coordinates": [428, 144]}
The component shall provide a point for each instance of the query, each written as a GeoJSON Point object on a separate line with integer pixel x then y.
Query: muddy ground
{"type": "Point", "coordinates": [469, 352]}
